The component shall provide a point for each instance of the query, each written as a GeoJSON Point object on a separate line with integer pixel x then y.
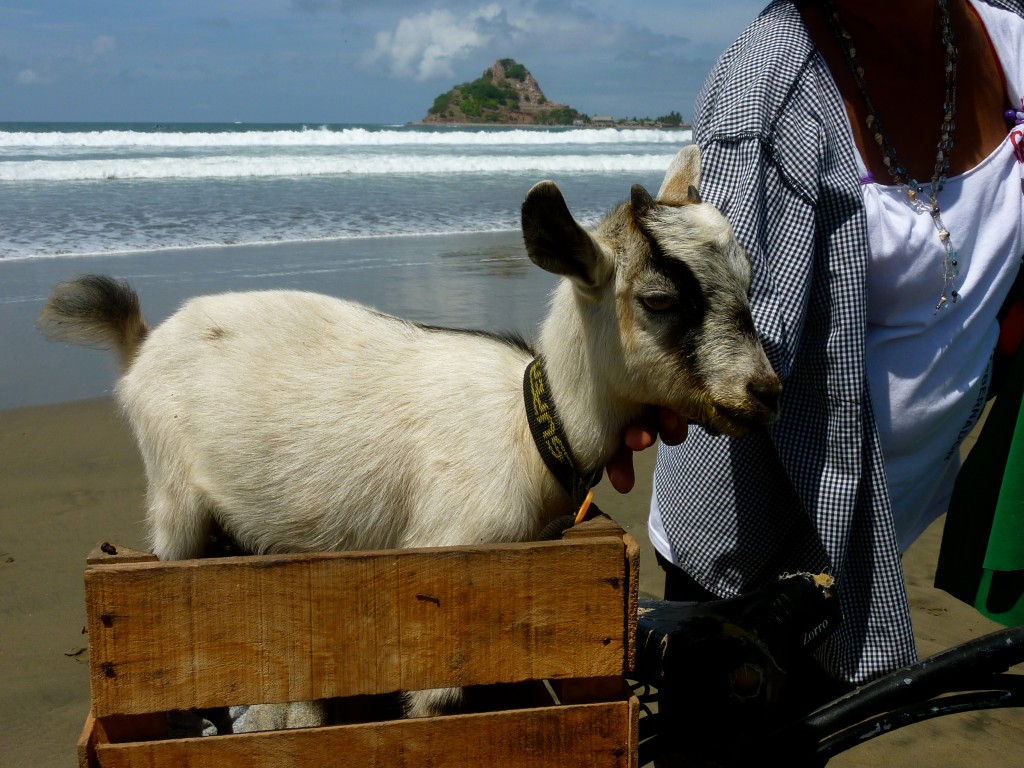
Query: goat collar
{"type": "Point", "coordinates": [549, 436]}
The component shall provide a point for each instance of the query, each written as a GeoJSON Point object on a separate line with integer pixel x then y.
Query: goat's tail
{"type": "Point", "coordinates": [95, 311]}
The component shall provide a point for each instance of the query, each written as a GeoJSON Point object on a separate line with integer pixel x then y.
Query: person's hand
{"type": "Point", "coordinates": [658, 422]}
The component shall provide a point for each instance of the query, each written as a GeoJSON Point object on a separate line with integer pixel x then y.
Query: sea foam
{"type": "Point", "coordinates": [277, 166]}
{"type": "Point", "coordinates": [323, 137]}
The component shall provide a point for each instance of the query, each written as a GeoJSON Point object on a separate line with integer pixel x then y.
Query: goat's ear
{"type": "Point", "coordinates": [682, 179]}
{"type": "Point", "coordinates": [556, 242]}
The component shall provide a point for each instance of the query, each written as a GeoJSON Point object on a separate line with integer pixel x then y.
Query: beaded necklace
{"type": "Point", "coordinates": [910, 186]}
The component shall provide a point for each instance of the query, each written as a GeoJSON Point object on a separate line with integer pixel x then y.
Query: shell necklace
{"type": "Point", "coordinates": [914, 191]}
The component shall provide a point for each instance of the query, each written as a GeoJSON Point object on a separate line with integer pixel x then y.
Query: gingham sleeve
{"type": "Point", "coordinates": [810, 495]}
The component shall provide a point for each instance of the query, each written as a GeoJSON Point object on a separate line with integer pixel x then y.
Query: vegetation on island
{"type": "Point", "coordinates": [507, 94]}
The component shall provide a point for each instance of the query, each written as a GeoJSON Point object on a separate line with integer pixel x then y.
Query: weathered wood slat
{"type": "Point", "coordinates": [108, 554]}
{"type": "Point", "coordinates": [591, 736]}
{"type": "Point", "coordinates": [86, 745]}
{"type": "Point", "coordinates": [244, 630]}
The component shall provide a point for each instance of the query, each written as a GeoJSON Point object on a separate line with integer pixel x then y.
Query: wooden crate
{"type": "Point", "coordinates": [167, 636]}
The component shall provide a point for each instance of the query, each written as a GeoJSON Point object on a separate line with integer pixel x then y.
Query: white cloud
{"type": "Point", "coordinates": [29, 77]}
{"type": "Point", "coordinates": [424, 46]}
{"type": "Point", "coordinates": [54, 68]}
{"type": "Point", "coordinates": [103, 45]}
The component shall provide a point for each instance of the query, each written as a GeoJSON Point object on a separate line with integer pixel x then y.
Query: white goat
{"type": "Point", "coordinates": [297, 422]}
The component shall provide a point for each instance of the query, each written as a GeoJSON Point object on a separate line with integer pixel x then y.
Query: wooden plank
{"type": "Point", "coordinates": [116, 729]}
{"type": "Point", "coordinates": [602, 525]}
{"type": "Point", "coordinates": [599, 525]}
{"type": "Point", "coordinates": [589, 690]}
{"type": "Point", "coordinates": [634, 732]}
{"type": "Point", "coordinates": [243, 630]}
{"type": "Point", "coordinates": [86, 746]}
{"type": "Point", "coordinates": [632, 599]}
{"type": "Point", "coordinates": [590, 736]}
{"type": "Point", "coordinates": [106, 553]}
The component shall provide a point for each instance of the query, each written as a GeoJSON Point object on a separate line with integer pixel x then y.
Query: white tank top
{"type": "Point", "coordinates": [928, 372]}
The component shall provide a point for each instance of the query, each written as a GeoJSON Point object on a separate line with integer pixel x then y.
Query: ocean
{"type": "Point", "coordinates": [419, 221]}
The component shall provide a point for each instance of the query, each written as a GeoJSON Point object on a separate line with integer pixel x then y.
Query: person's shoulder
{"type": "Point", "coordinates": [1016, 6]}
{"type": "Point", "coordinates": [779, 29]}
{"type": "Point", "coordinates": [765, 59]}
{"type": "Point", "coordinates": [772, 67]}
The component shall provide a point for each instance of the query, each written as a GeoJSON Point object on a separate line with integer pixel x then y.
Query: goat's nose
{"type": "Point", "coordinates": [766, 390]}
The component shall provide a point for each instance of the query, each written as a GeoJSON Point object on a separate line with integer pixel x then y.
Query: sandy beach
{"type": "Point", "coordinates": [72, 478]}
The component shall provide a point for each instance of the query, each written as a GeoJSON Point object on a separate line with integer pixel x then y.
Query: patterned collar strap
{"type": "Point", "coordinates": [549, 436]}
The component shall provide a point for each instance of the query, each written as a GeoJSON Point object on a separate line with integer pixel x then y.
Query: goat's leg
{"type": "Point", "coordinates": [431, 703]}
{"type": "Point", "coordinates": [274, 717]}
{"type": "Point", "coordinates": [180, 522]}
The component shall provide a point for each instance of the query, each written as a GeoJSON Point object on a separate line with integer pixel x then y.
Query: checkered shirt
{"type": "Point", "coordinates": [810, 493]}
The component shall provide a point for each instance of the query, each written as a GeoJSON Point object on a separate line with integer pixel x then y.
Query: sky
{"type": "Point", "coordinates": [347, 61]}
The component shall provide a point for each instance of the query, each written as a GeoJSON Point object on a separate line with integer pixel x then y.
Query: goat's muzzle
{"type": "Point", "coordinates": [766, 390]}
{"type": "Point", "coordinates": [756, 408]}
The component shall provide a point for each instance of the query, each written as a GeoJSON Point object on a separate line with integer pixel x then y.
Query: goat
{"type": "Point", "coordinates": [297, 422]}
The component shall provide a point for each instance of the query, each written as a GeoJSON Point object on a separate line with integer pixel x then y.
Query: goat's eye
{"type": "Point", "coordinates": [658, 303]}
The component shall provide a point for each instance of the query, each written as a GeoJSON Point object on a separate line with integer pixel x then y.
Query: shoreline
{"type": "Point", "coordinates": [297, 243]}
{"type": "Point", "coordinates": [479, 280]}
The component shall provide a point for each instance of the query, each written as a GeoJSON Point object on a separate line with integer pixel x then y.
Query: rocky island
{"type": "Point", "coordinates": [505, 94]}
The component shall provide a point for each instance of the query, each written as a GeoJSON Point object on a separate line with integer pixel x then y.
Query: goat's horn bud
{"type": "Point", "coordinates": [641, 199]}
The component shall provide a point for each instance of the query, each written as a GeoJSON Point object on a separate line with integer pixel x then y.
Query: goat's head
{"type": "Point", "coordinates": [662, 285]}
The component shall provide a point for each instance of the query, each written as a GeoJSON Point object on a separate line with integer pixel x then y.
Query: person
{"type": "Point", "coordinates": [869, 158]}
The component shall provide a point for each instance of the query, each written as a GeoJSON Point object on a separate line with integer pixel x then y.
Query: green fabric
{"type": "Point", "coordinates": [981, 560]}
{"type": "Point", "coordinates": [1006, 542]}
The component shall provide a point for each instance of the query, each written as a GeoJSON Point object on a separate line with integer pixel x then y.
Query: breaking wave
{"type": "Point", "coordinates": [280, 166]}
{"type": "Point", "coordinates": [49, 141]}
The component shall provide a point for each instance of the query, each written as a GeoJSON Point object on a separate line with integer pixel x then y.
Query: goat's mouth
{"type": "Point", "coordinates": [738, 413]}
{"type": "Point", "coordinates": [737, 422]}
{"type": "Point", "coordinates": [733, 411]}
